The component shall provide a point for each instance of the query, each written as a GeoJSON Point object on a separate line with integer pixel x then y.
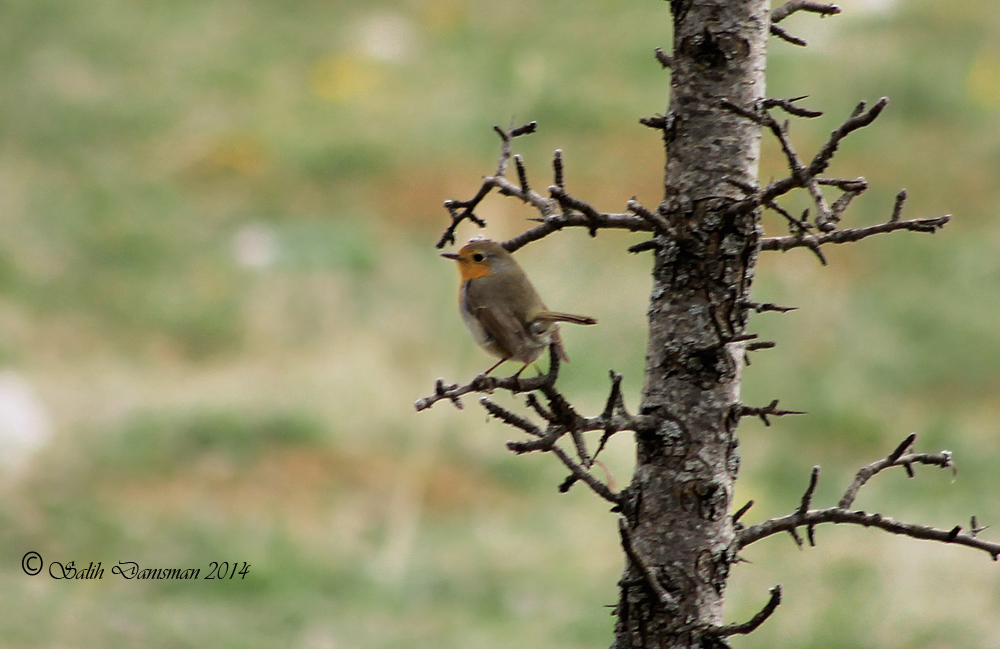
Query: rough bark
{"type": "Point", "coordinates": [677, 508]}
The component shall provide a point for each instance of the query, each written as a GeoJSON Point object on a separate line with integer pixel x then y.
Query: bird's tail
{"type": "Point", "coordinates": [552, 316]}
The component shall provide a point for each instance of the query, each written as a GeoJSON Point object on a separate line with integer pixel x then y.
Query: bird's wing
{"type": "Point", "coordinates": [502, 326]}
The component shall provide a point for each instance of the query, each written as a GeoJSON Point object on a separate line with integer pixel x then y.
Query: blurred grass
{"type": "Point", "coordinates": [217, 275]}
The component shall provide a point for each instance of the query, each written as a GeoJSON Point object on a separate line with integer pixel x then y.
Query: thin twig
{"type": "Point", "coordinates": [643, 246]}
{"type": "Point", "coordinates": [785, 36]}
{"type": "Point", "coordinates": [510, 418]}
{"type": "Point", "coordinates": [742, 510]}
{"type": "Point", "coordinates": [570, 203]}
{"type": "Point", "coordinates": [804, 507]}
{"type": "Point", "coordinates": [770, 410]}
{"type": "Point", "coordinates": [557, 169]}
{"type": "Point", "coordinates": [598, 487]}
{"type": "Point", "coordinates": [751, 625]}
{"type": "Point", "coordinates": [801, 175]}
{"type": "Point", "coordinates": [657, 222]}
{"type": "Point", "coordinates": [897, 208]}
{"type": "Point", "coordinates": [761, 307]}
{"type": "Point", "coordinates": [788, 105]}
{"type": "Point", "coordinates": [896, 458]}
{"type": "Point", "coordinates": [665, 59]}
{"type": "Point", "coordinates": [522, 175]}
{"type": "Point", "coordinates": [462, 210]}
{"type": "Point", "coordinates": [790, 7]}
{"type": "Point", "coordinates": [859, 119]}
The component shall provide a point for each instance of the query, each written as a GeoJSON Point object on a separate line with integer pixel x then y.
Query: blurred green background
{"type": "Point", "coordinates": [219, 298]}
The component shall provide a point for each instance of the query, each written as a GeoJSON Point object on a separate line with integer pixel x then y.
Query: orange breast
{"type": "Point", "coordinates": [472, 270]}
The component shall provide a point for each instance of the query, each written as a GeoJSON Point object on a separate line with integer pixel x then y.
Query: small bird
{"type": "Point", "coordinates": [502, 309]}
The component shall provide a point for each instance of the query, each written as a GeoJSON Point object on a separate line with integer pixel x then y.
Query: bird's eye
{"type": "Point", "coordinates": [477, 257]}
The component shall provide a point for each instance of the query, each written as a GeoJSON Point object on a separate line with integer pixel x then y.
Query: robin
{"type": "Point", "coordinates": [502, 309]}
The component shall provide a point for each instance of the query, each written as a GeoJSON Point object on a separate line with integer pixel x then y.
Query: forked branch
{"type": "Point", "coordinates": [841, 514]}
{"type": "Point", "coordinates": [929, 225]}
{"type": "Point", "coordinates": [560, 417]}
{"type": "Point", "coordinates": [462, 210]}
{"type": "Point", "coordinates": [556, 211]}
{"type": "Point", "coordinates": [807, 176]}
{"type": "Point", "coordinates": [791, 7]}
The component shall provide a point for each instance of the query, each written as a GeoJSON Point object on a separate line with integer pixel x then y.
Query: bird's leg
{"type": "Point", "coordinates": [499, 363]}
{"type": "Point", "coordinates": [518, 373]}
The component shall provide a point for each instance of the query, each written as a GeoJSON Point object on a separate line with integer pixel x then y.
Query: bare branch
{"type": "Point", "coordinates": [522, 175]}
{"type": "Point", "coordinates": [751, 625]}
{"type": "Point", "coordinates": [615, 402]}
{"type": "Point", "coordinates": [767, 306]}
{"type": "Point", "coordinates": [657, 222]}
{"type": "Point", "coordinates": [562, 419]}
{"type": "Point", "coordinates": [548, 443]}
{"type": "Point", "coordinates": [742, 510]}
{"type": "Point", "coordinates": [536, 405]}
{"type": "Point", "coordinates": [643, 246]}
{"type": "Point", "coordinates": [845, 184]}
{"type": "Point", "coordinates": [543, 442]}
{"type": "Point", "coordinates": [507, 188]}
{"type": "Point", "coordinates": [557, 169]}
{"type": "Point", "coordinates": [804, 507]}
{"type": "Point", "coordinates": [615, 418]}
{"type": "Point", "coordinates": [569, 203]}
{"type": "Point", "coordinates": [461, 210]}
{"type": "Point", "coordinates": [842, 516]}
{"type": "Point", "coordinates": [785, 36]}
{"type": "Point", "coordinates": [796, 226]}
{"type": "Point", "coordinates": [801, 176]}
{"type": "Point", "coordinates": [657, 122]}
{"type": "Point", "coordinates": [788, 105]}
{"type": "Point", "coordinates": [595, 485]}
{"type": "Point", "coordinates": [896, 458]}
{"type": "Point", "coordinates": [897, 208]}
{"type": "Point", "coordinates": [485, 384]}
{"type": "Point", "coordinates": [747, 188]}
{"type": "Point", "coordinates": [526, 129]}
{"type": "Point", "coordinates": [510, 418]}
{"type": "Point", "coordinates": [581, 448]}
{"type": "Point", "coordinates": [665, 59]}
{"type": "Point", "coordinates": [859, 119]}
{"type": "Point", "coordinates": [847, 236]}
{"type": "Point", "coordinates": [839, 205]}
{"type": "Point", "coordinates": [597, 220]}
{"type": "Point", "coordinates": [975, 529]}
{"type": "Point", "coordinates": [790, 7]}
{"type": "Point", "coordinates": [770, 409]}
{"type": "Point", "coordinates": [806, 176]}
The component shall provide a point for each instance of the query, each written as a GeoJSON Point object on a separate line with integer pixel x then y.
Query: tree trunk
{"type": "Point", "coordinates": [678, 505]}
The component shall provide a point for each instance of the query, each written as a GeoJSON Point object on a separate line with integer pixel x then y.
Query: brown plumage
{"type": "Point", "coordinates": [501, 308]}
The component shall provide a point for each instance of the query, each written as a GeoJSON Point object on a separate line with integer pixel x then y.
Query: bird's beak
{"type": "Point", "coordinates": [449, 255]}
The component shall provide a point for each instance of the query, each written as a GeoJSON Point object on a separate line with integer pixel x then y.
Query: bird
{"type": "Point", "coordinates": [501, 308]}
